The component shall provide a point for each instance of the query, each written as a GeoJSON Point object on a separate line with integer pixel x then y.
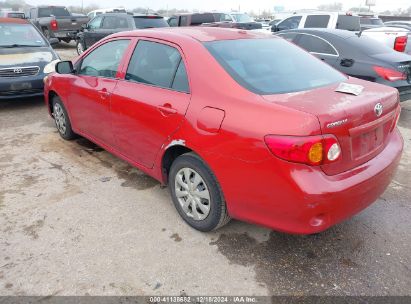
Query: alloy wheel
{"type": "Point", "coordinates": [60, 118]}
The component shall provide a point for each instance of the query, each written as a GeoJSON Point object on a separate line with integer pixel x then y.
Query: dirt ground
{"type": "Point", "coordinates": [75, 220]}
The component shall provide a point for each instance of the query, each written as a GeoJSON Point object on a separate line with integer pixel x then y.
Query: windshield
{"type": "Point", "coordinates": [242, 18]}
{"type": "Point", "coordinates": [149, 22]}
{"type": "Point", "coordinates": [53, 11]}
{"type": "Point", "coordinates": [19, 34]}
{"type": "Point", "coordinates": [272, 66]}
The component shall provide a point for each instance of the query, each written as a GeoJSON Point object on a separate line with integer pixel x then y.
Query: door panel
{"type": "Point", "coordinates": [150, 104]}
{"type": "Point", "coordinates": [92, 88]}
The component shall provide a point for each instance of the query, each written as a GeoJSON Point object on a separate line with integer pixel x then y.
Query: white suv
{"type": "Point", "coordinates": [319, 20]}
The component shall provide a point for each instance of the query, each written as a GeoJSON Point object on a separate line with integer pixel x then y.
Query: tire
{"type": "Point", "coordinates": [208, 214]}
{"type": "Point", "coordinates": [46, 34]}
{"type": "Point", "coordinates": [80, 47]}
{"type": "Point", "coordinates": [62, 120]}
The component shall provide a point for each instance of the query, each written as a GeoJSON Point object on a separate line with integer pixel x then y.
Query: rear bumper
{"type": "Point", "coordinates": [300, 199]}
{"type": "Point", "coordinates": [22, 87]}
{"type": "Point", "coordinates": [65, 34]}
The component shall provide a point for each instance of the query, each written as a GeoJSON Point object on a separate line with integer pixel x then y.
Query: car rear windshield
{"type": "Point", "coordinates": [347, 22]}
{"type": "Point", "coordinates": [53, 11]}
{"type": "Point", "coordinates": [368, 45]}
{"type": "Point", "coordinates": [272, 66]}
{"type": "Point", "coordinates": [149, 22]}
{"type": "Point", "coordinates": [15, 35]}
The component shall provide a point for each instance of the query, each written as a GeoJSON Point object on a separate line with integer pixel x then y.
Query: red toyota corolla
{"type": "Point", "coordinates": [237, 124]}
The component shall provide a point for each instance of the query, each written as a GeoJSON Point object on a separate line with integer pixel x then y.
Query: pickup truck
{"type": "Point", "coordinates": [398, 39]}
{"type": "Point", "coordinates": [57, 22]}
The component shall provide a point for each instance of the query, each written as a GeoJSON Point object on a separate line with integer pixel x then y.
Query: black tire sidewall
{"type": "Point", "coordinates": [216, 199]}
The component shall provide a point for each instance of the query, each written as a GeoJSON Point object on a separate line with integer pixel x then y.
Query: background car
{"type": "Point", "coordinates": [319, 20]}
{"type": "Point", "coordinates": [12, 14]}
{"type": "Point", "coordinates": [107, 24]}
{"type": "Point", "coordinates": [94, 13]}
{"type": "Point", "coordinates": [236, 125]}
{"type": "Point", "coordinates": [26, 57]}
{"type": "Point", "coordinates": [370, 22]}
{"type": "Point", "coordinates": [360, 57]}
{"type": "Point", "coordinates": [400, 24]}
{"type": "Point", "coordinates": [56, 22]}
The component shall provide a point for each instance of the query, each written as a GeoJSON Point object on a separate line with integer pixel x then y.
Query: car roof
{"type": "Point", "coordinates": [323, 31]}
{"type": "Point", "coordinates": [14, 20]}
{"type": "Point", "coordinates": [202, 34]}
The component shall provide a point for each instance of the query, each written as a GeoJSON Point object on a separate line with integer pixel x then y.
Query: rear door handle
{"type": "Point", "coordinates": [167, 109]}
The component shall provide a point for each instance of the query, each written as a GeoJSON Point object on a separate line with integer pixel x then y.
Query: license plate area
{"type": "Point", "coordinates": [20, 86]}
{"type": "Point", "coordinates": [369, 142]}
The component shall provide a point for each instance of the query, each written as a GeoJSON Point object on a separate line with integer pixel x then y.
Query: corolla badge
{"type": "Point", "coordinates": [378, 109]}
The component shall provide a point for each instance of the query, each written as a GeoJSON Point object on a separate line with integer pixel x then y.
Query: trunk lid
{"type": "Point", "coordinates": [351, 119]}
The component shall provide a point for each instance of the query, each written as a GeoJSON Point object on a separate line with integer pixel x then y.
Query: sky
{"type": "Point", "coordinates": [227, 5]}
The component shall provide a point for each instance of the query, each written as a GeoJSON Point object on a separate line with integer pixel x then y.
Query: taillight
{"type": "Point", "coordinates": [400, 43]}
{"type": "Point", "coordinates": [389, 74]}
{"type": "Point", "coordinates": [53, 25]}
{"type": "Point", "coordinates": [311, 150]}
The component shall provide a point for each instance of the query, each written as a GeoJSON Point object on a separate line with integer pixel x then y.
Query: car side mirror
{"type": "Point", "coordinates": [53, 41]}
{"type": "Point", "coordinates": [64, 67]}
{"type": "Point", "coordinates": [274, 28]}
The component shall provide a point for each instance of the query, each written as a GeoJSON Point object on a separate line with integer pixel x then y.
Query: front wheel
{"type": "Point", "coordinates": [62, 120]}
{"type": "Point", "coordinates": [80, 47]}
{"type": "Point", "coordinates": [196, 193]}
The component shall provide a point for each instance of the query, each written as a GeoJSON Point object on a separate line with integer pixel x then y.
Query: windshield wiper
{"type": "Point", "coordinates": [19, 45]}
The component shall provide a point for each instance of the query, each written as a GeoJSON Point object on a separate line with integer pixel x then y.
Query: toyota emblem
{"type": "Point", "coordinates": [378, 109]}
{"type": "Point", "coordinates": [18, 71]}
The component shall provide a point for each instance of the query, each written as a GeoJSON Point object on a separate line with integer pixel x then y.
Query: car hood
{"type": "Point", "coordinates": [26, 56]}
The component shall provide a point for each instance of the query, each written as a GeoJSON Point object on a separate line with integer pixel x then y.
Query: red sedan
{"type": "Point", "coordinates": [238, 124]}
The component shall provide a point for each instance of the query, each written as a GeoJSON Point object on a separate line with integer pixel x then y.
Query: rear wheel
{"type": "Point", "coordinates": [80, 47]}
{"type": "Point", "coordinates": [62, 120]}
{"type": "Point", "coordinates": [196, 193]}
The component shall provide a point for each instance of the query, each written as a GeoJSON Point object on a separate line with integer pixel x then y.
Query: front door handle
{"type": "Point", "coordinates": [104, 94]}
{"type": "Point", "coordinates": [167, 109]}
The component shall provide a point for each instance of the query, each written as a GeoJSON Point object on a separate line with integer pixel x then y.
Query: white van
{"type": "Point", "coordinates": [94, 13]}
{"type": "Point", "coordinates": [319, 20]}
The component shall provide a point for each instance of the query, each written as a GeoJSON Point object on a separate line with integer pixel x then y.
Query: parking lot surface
{"type": "Point", "coordinates": [76, 220]}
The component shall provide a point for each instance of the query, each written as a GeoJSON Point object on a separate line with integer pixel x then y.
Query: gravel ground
{"type": "Point", "coordinates": [75, 220]}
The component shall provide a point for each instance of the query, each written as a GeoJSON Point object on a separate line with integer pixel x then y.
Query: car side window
{"type": "Point", "coordinates": [104, 60]}
{"type": "Point", "coordinates": [173, 21]}
{"type": "Point", "coordinates": [180, 82]}
{"type": "Point", "coordinates": [159, 65]}
{"type": "Point", "coordinates": [289, 23]}
{"type": "Point", "coordinates": [315, 45]}
{"type": "Point", "coordinates": [183, 21]}
{"type": "Point", "coordinates": [95, 23]}
{"type": "Point", "coordinates": [317, 21]}
{"type": "Point", "coordinates": [114, 22]}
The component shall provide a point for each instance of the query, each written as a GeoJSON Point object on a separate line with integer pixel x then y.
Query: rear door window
{"type": "Point", "coordinates": [114, 22]}
{"type": "Point", "coordinates": [317, 21]}
{"type": "Point", "coordinates": [315, 44]}
{"type": "Point", "coordinates": [104, 61]}
{"type": "Point", "coordinates": [197, 19]}
{"type": "Point", "coordinates": [158, 65]}
{"type": "Point", "coordinates": [350, 23]}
